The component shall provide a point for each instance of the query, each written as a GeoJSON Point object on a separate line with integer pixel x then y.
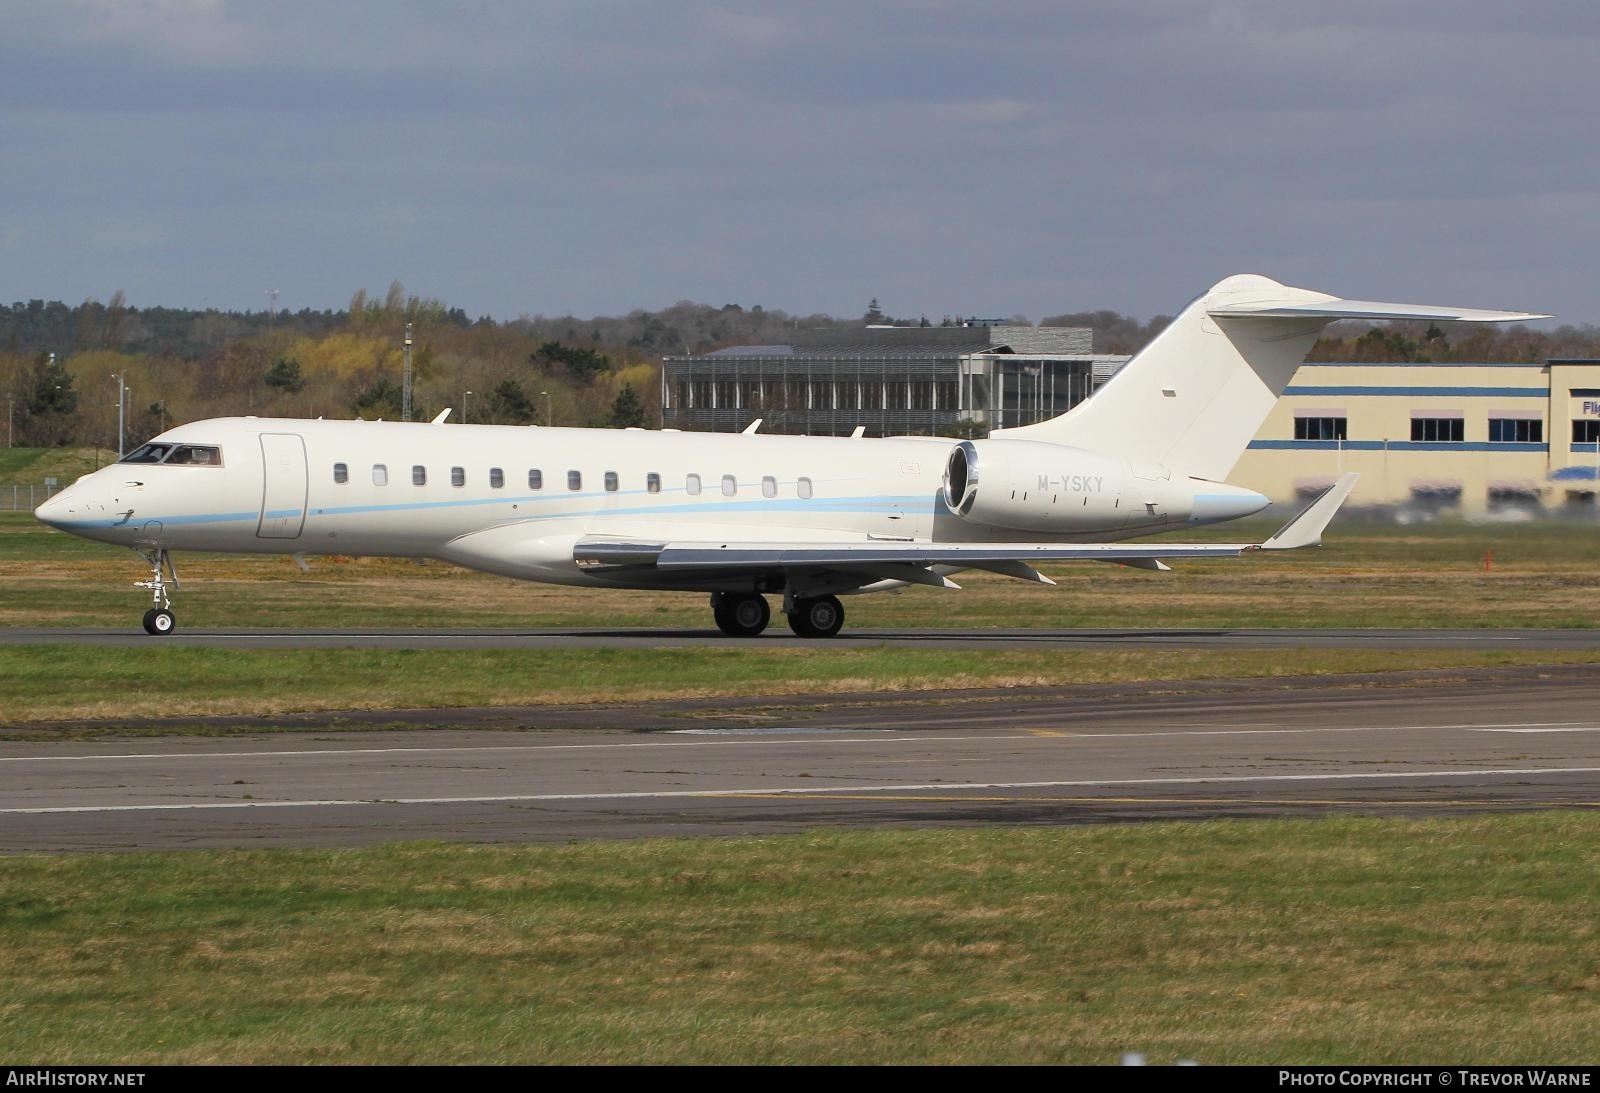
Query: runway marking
{"type": "Point", "coordinates": [1580, 728]}
{"type": "Point", "coordinates": [881, 736]}
{"type": "Point", "coordinates": [803, 791]}
{"type": "Point", "coordinates": [821, 795]}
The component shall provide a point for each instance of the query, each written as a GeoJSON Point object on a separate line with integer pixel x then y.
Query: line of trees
{"type": "Point", "coordinates": [59, 365]}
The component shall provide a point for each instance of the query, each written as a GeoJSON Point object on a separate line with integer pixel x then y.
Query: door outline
{"type": "Point", "coordinates": [285, 482]}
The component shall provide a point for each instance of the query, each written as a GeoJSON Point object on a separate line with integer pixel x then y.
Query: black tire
{"type": "Point", "coordinates": [159, 621]}
{"type": "Point", "coordinates": [741, 615]}
{"type": "Point", "coordinates": [822, 617]}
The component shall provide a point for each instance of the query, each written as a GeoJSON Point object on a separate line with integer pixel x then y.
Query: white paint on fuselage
{"type": "Point", "coordinates": [860, 489]}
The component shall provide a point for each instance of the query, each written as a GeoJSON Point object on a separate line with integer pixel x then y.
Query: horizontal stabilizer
{"type": "Point", "coordinates": [1363, 309]}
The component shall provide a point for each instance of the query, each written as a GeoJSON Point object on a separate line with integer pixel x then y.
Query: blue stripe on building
{"type": "Point", "coordinates": [1401, 446]}
{"type": "Point", "coordinates": [1424, 392]}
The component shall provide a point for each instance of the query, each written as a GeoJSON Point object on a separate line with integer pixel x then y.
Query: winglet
{"type": "Point", "coordinates": [440, 419]}
{"type": "Point", "coordinates": [752, 427]}
{"type": "Point", "coordinates": [1307, 526]}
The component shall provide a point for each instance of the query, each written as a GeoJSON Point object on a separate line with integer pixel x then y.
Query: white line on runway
{"type": "Point", "coordinates": [1576, 728]}
{"type": "Point", "coordinates": [809, 736]}
{"type": "Point", "coordinates": [801, 791]}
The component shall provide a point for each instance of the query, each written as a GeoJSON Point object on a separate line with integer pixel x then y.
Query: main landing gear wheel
{"type": "Point", "coordinates": [818, 618]}
{"type": "Point", "coordinates": [740, 615]}
{"type": "Point", "coordinates": [158, 620]}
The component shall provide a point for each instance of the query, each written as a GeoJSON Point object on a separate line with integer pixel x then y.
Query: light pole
{"type": "Point", "coordinates": [11, 432]}
{"type": "Point", "coordinates": [465, 395]}
{"type": "Point", "coordinates": [122, 401]}
{"type": "Point", "coordinates": [549, 414]}
{"type": "Point", "coordinates": [405, 382]}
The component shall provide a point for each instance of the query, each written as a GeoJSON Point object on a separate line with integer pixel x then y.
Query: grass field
{"type": "Point", "coordinates": [1367, 575]}
{"type": "Point", "coordinates": [1375, 941]}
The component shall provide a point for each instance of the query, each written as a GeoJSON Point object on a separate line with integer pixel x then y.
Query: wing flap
{"type": "Point", "coordinates": [1364, 309]}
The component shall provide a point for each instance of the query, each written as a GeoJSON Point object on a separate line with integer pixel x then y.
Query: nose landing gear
{"type": "Point", "coordinates": [159, 619]}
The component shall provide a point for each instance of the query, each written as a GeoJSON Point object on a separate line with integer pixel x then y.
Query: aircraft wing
{"type": "Point", "coordinates": [910, 560]}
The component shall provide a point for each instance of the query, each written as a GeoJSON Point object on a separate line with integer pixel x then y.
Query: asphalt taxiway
{"type": "Point", "coordinates": [1408, 742]}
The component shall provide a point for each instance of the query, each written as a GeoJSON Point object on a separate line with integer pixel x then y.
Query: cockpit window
{"type": "Point", "coordinates": [196, 455]}
{"type": "Point", "coordinates": [192, 455]}
{"type": "Point", "coordinates": [148, 453]}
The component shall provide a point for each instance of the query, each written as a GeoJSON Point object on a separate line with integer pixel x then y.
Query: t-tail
{"type": "Point", "coordinates": [1193, 398]}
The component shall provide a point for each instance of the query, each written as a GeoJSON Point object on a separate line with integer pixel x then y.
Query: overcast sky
{"type": "Point", "coordinates": [544, 158]}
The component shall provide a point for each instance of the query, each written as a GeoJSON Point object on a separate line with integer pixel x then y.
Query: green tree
{"type": "Point", "coordinates": [628, 410]}
{"type": "Point", "coordinates": [49, 409]}
{"type": "Point", "coordinates": [284, 375]}
{"type": "Point", "coordinates": [581, 363]}
{"type": "Point", "coordinates": [379, 399]}
{"type": "Point", "coordinates": [509, 404]}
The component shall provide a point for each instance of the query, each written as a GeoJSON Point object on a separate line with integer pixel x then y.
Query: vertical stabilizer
{"type": "Point", "coordinates": [1193, 398]}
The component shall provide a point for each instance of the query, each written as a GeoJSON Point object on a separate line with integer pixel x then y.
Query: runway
{"type": "Point", "coordinates": [1410, 743]}
{"type": "Point", "coordinates": [779, 637]}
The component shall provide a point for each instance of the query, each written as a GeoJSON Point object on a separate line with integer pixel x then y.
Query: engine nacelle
{"type": "Point", "coordinates": [1028, 486]}
{"type": "Point", "coordinates": [1025, 485]}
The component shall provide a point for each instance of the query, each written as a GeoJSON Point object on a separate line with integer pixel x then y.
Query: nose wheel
{"type": "Point", "coordinates": [159, 620]}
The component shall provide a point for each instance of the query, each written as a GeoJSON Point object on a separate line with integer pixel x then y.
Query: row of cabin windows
{"type": "Point", "coordinates": [497, 480]}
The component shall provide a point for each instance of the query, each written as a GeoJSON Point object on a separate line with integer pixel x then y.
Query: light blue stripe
{"type": "Point", "coordinates": [1424, 392]}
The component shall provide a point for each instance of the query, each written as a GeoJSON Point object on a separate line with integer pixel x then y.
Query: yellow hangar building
{"type": "Point", "coordinates": [1471, 439]}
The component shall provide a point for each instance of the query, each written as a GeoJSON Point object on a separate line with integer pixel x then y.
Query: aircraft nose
{"type": "Point", "coordinates": [56, 511]}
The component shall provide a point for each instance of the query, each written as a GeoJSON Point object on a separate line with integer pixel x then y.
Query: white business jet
{"type": "Point", "coordinates": [746, 516]}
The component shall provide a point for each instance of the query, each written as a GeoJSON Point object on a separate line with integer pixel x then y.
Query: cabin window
{"type": "Point", "coordinates": [574, 480]}
{"type": "Point", "coordinates": [341, 473]}
{"type": "Point", "coordinates": [652, 482]}
{"type": "Point", "coordinates": [458, 476]}
{"type": "Point", "coordinates": [535, 480]}
{"type": "Point", "coordinates": [419, 475]}
{"type": "Point", "coordinates": [611, 481]}
{"type": "Point", "coordinates": [769, 486]}
{"type": "Point", "coordinates": [380, 474]}
{"type": "Point", "coordinates": [730, 485]}
{"type": "Point", "coordinates": [497, 478]}
{"type": "Point", "coordinates": [691, 485]}
{"type": "Point", "coordinates": [802, 487]}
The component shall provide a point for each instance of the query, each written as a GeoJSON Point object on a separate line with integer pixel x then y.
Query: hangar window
{"type": "Point", "coordinates": [497, 478]}
{"type": "Point", "coordinates": [1450, 430]}
{"type": "Point", "coordinates": [730, 485]}
{"type": "Point", "coordinates": [652, 482]}
{"type": "Point", "coordinates": [536, 480]}
{"type": "Point", "coordinates": [1586, 430]}
{"type": "Point", "coordinates": [1515, 431]}
{"type": "Point", "coordinates": [802, 487]}
{"type": "Point", "coordinates": [458, 476]}
{"type": "Point", "coordinates": [769, 486]}
{"type": "Point", "coordinates": [419, 475]}
{"type": "Point", "coordinates": [691, 485]}
{"type": "Point", "coordinates": [574, 480]}
{"type": "Point", "coordinates": [1321, 428]}
{"type": "Point", "coordinates": [341, 473]}
{"type": "Point", "coordinates": [380, 474]}
{"type": "Point", "coordinates": [611, 481]}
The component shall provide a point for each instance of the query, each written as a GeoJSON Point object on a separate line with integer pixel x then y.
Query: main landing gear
{"type": "Point", "coordinates": [740, 615]}
{"type": "Point", "coordinates": [821, 617]}
{"type": "Point", "coordinates": [745, 614]}
{"type": "Point", "coordinates": [159, 619]}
